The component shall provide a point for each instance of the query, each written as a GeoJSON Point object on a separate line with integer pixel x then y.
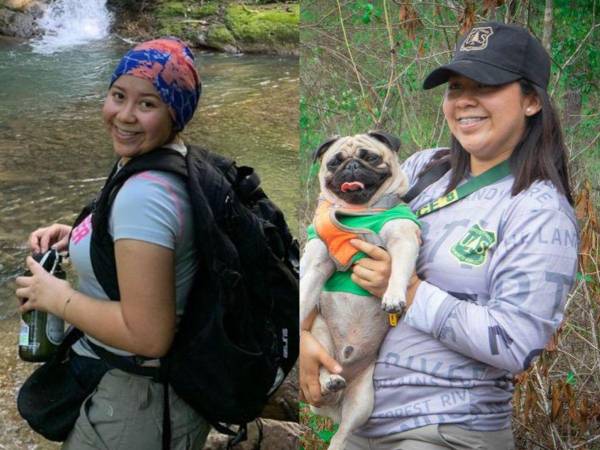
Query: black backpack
{"type": "Point", "coordinates": [239, 335]}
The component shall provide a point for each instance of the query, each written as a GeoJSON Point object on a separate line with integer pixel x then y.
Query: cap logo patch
{"type": "Point", "coordinates": [477, 39]}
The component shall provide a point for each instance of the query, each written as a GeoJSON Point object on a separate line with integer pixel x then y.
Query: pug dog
{"type": "Point", "coordinates": [359, 174]}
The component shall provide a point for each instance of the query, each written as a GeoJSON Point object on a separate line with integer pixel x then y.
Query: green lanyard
{"type": "Point", "coordinates": [488, 177]}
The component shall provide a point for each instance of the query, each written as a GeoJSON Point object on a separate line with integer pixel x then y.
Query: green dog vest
{"type": "Point", "coordinates": [363, 223]}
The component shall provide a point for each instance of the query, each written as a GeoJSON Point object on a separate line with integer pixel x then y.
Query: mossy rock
{"type": "Point", "coordinates": [172, 9]}
{"type": "Point", "coordinates": [185, 9]}
{"type": "Point", "coordinates": [198, 12]}
{"type": "Point", "coordinates": [180, 18]}
{"type": "Point", "coordinates": [232, 26]}
{"type": "Point", "coordinates": [219, 36]}
{"type": "Point", "coordinates": [264, 25]}
{"type": "Point", "coordinates": [175, 27]}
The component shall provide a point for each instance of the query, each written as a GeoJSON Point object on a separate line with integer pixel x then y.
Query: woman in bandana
{"type": "Point", "coordinates": [152, 95]}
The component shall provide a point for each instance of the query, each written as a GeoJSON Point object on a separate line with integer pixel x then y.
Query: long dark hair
{"type": "Point", "coordinates": [540, 155]}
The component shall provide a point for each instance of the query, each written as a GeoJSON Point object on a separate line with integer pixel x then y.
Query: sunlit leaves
{"type": "Point", "coordinates": [365, 11]}
{"type": "Point", "coordinates": [321, 430]}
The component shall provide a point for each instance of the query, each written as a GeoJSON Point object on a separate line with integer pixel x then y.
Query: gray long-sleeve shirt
{"type": "Point", "coordinates": [497, 270]}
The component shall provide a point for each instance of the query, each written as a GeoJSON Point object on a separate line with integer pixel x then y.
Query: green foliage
{"type": "Point", "coordinates": [263, 25]}
{"type": "Point", "coordinates": [366, 81]}
{"type": "Point", "coordinates": [204, 11]}
{"type": "Point", "coordinates": [321, 430]}
{"type": "Point", "coordinates": [308, 122]}
{"type": "Point", "coordinates": [264, 2]}
{"type": "Point", "coordinates": [365, 11]}
{"type": "Point", "coordinates": [572, 22]}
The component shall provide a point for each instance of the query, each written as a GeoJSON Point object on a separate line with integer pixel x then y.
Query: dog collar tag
{"type": "Point", "coordinates": [393, 319]}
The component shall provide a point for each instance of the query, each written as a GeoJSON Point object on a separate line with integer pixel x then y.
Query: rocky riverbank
{"type": "Point", "coordinates": [230, 26]}
{"type": "Point", "coordinates": [18, 18]}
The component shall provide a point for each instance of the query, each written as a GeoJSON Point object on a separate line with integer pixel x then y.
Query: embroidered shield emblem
{"type": "Point", "coordinates": [472, 249]}
{"type": "Point", "coordinates": [477, 39]}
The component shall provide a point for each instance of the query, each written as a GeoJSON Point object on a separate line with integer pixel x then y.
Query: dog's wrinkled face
{"type": "Point", "coordinates": [360, 169]}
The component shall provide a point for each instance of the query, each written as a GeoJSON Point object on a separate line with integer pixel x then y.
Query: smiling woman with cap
{"type": "Point", "coordinates": [152, 95]}
{"type": "Point", "coordinates": [494, 54]}
{"type": "Point", "coordinates": [498, 257]}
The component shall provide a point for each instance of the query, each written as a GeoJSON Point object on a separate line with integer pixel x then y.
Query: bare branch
{"type": "Point", "coordinates": [348, 47]}
{"type": "Point", "coordinates": [568, 61]}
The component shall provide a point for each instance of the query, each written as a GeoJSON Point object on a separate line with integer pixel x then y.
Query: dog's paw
{"type": "Point", "coordinates": [334, 383]}
{"type": "Point", "coordinates": [393, 304]}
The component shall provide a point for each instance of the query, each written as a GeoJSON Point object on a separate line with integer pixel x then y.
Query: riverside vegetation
{"type": "Point", "coordinates": [232, 25]}
{"type": "Point", "coordinates": [363, 63]}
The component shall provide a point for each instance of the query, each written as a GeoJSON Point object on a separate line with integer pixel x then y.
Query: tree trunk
{"type": "Point", "coordinates": [511, 10]}
{"type": "Point", "coordinates": [547, 36]}
{"type": "Point", "coordinates": [524, 12]}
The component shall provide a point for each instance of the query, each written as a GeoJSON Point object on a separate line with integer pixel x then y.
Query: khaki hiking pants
{"type": "Point", "coordinates": [437, 437]}
{"type": "Point", "coordinates": [126, 413]}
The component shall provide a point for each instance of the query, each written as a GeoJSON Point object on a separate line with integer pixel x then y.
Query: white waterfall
{"type": "Point", "coordinates": [72, 22]}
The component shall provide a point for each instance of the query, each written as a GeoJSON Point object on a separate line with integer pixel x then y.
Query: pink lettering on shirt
{"type": "Point", "coordinates": [82, 230]}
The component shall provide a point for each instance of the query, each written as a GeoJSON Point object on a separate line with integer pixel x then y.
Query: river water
{"type": "Point", "coordinates": [54, 154]}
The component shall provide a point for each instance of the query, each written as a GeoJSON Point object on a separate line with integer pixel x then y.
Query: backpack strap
{"type": "Point", "coordinates": [129, 364]}
{"type": "Point", "coordinates": [427, 179]}
{"type": "Point", "coordinates": [211, 208]}
{"type": "Point", "coordinates": [102, 253]}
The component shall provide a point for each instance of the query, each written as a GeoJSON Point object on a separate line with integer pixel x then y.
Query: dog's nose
{"type": "Point", "coordinates": [348, 349]}
{"type": "Point", "coordinates": [353, 165]}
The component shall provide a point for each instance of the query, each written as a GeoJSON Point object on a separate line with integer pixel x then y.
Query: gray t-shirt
{"type": "Point", "coordinates": [153, 207]}
{"type": "Point", "coordinates": [497, 270]}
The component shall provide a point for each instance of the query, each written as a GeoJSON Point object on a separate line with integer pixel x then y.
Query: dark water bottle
{"type": "Point", "coordinates": [41, 333]}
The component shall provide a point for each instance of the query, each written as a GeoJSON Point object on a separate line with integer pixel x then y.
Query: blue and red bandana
{"type": "Point", "coordinates": [169, 65]}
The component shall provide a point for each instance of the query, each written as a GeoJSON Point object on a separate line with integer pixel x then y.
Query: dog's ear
{"type": "Point", "coordinates": [388, 139]}
{"type": "Point", "coordinates": [323, 147]}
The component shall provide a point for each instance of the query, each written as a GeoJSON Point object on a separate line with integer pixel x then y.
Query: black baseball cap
{"type": "Point", "coordinates": [496, 53]}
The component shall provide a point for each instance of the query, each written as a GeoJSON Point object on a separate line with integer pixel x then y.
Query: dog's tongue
{"type": "Point", "coordinates": [352, 186]}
